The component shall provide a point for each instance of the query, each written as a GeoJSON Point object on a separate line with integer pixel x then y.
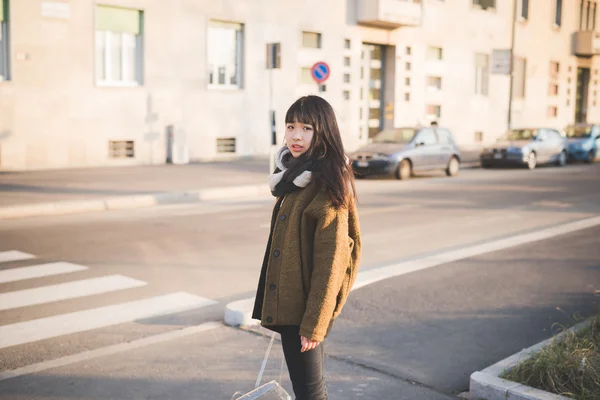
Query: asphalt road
{"type": "Point", "coordinates": [428, 329]}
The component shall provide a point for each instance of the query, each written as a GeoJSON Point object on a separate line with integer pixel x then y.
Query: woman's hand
{"type": "Point", "coordinates": [307, 344]}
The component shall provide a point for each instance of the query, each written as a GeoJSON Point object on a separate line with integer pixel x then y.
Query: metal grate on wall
{"type": "Point", "coordinates": [226, 145]}
{"type": "Point", "coordinates": [121, 149]}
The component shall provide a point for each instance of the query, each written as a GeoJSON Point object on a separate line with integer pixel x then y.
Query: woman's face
{"type": "Point", "coordinates": [298, 137]}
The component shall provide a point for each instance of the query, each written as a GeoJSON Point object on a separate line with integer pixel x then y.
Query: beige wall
{"type": "Point", "coordinates": [53, 115]}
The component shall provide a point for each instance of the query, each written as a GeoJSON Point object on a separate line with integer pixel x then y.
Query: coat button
{"type": "Point", "coordinates": [276, 253]}
{"type": "Point", "coordinates": [269, 319]}
{"type": "Point", "coordinates": [272, 286]}
{"type": "Point", "coordinates": [282, 217]}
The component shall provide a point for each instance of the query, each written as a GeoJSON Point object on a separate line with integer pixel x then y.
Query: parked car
{"type": "Point", "coordinates": [584, 142]}
{"type": "Point", "coordinates": [402, 151]}
{"type": "Point", "coordinates": [527, 147]}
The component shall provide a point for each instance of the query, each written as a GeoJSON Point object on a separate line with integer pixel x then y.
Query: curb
{"type": "Point", "coordinates": [487, 384]}
{"type": "Point", "coordinates": [132, 202]}
{"type": "Point", "coordinates": [239, 313]}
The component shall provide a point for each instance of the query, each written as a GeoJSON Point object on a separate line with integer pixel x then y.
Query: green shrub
{"type": "Point", "coordinates": [570, 367]}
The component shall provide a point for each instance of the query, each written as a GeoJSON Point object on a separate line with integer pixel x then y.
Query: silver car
{"type": "Point", "coordinates": [402, 151]}
{"type": "Point", "coordinates": [527, 147]}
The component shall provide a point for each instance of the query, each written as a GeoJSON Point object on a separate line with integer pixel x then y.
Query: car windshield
{"type": "Point", "coordinates": [520, 134]}
{"type": "Point", "coordinates": [402, 135]}
{"type": "Point", "coordinates": [582, 131]}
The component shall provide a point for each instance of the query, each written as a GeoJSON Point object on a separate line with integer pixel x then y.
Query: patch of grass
{"type": "Point", "coordinates": [570, 367]}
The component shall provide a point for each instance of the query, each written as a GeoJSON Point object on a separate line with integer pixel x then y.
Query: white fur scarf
{"type": "Point", "coordinates": [301, 180]}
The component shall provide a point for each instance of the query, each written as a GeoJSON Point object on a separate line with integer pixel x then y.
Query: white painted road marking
{"type": "Point", "coordinates": [50, 327]}
{"type": "Point", "coordinates": [105, 351]}
{"type": "Point", "coordinates": [38, 271]}
{"type": "Point", "coordinates": [239, 312]}
{"type": "Point", "coordinates": [14, 255]}
{"type": "Point", "coordinates": [68, 290]}
{"type": "Point", "coordinates": [375, 275]}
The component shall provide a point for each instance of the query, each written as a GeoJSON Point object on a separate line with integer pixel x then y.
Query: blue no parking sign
{"type": "Point", "coordinates": [320, 71]}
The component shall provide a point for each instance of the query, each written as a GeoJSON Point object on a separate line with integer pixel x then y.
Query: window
{"type": "Point", "coordinates": [558, 13]}
{"type": "Point", "coordinates": [347, 61]}
{"type": "Point", "coordinates": [553, 89]}
{"type": "Point", "coordinates": [306, 76]}
{"type": "Point", "coordinates": [346, 78]}
{"type": "Point", "coordinates": [311, 40]}
{"type": "Point", "coordinates": [406, 96]}
{"type": "Point", "coordinates": [552, 111]}
{"type": "Point", "coordinates": [524, 9]}
{"type": "Point", "coordinates": [434, 83]}
{"type": "Point", "coordinates": [408, 50]}
{"type": "Point", "coordinates": [482, 74]}
{"type": "Point", "coordinates": [347, 44]}
{"type": "Point", "coordinates": [225, 54]}
{"type": "Point", "coordinates": [426, 137]}
{"type": "Point", "coordinates": [445, 136]}
{"type": "Point", "coordinates": [119, 56]}
{"type": "Point", "coordinates": [520, 77]}
{"type": "Point", "coordinates": [121, 149]}
{"type": "Point", "coordinates": [408, 65]}
{"type": "Point", "coordinates": [485, 4]}
{"type": "Point", "coordinates": [4, 39]}
{"type": "Point", "coordinates": [433, 110]}
{"type": "Point", "coordinates": [226, 145]}
{"type": "Point", "coordinates": [407, 81]}
{"type": "Point", "coordinates": [554, 135]}
{"type": "Point", "coordinates": [346, 95]}
{"type": "Point", "coordinates": [587, 15]}
{"type": "Point", "coordinates": [434, 53]}
{"type": "Point", "coordinates": [478, 136]}
{"type": "Point", "coordinates": [554, 69]}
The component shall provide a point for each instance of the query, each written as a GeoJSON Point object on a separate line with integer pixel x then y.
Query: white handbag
{"type": "Point", "coordinates": [269, 391]}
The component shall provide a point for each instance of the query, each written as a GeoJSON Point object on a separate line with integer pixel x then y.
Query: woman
{"type": "Point", "coordinates": [314, 246]}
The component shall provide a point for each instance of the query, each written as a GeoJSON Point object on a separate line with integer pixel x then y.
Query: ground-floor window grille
{"type": "Point", "coordinates": [226, 145]}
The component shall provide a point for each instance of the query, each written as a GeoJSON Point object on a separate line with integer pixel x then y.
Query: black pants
{"type": "Point", "coordinates": [306, 369]}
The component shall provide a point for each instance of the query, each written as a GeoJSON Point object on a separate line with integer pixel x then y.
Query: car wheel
{"type": "Point", "coordinates": [531, 161]}
{"type": "Point", "coordinates": [404, 170]}
{"type": "Point", "coordinates": [562, 159]}
{"type": "Point", "coordinates": [453, 167]}
{"type": "Point", "coordinates": [590, 157]}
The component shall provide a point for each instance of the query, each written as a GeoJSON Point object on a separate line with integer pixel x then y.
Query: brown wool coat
{"type": "Point", "coordinates": [310, 265]}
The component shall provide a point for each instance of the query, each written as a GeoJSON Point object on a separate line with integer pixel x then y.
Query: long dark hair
{"type": "Point", "coordinates": [326, 149]}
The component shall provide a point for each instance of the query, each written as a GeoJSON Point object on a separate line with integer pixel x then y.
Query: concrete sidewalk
{"type": "Point", "coordinates": [95, 189]}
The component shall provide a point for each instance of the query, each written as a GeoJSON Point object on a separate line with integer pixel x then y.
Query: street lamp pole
{"type": "Point", "coordinates": [512, 63]}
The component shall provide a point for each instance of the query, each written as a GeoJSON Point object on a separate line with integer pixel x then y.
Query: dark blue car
{"type": "Point", "coordinates": [584, 141]}
{"type": "Point", "coordinates": [402, 151]}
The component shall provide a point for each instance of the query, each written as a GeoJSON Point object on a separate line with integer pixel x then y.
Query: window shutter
{"type": "Point", "coordinates": [116, 19]}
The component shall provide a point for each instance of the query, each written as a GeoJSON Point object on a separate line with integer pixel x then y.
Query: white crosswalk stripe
{"type": "Point", "coordinates": [38, 271]}
{"type": "Point", "coordinates": [45, 328]}
{"type": "Point", "coordinates": [14, 255]}
{"type": "Point", "coordinates": [64, 291]}
{"type": "Point", "coordinates": [79, 321]}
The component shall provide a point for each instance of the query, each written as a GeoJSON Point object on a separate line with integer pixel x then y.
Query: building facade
{"type": "Point", "coordinates": [130, 82]}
